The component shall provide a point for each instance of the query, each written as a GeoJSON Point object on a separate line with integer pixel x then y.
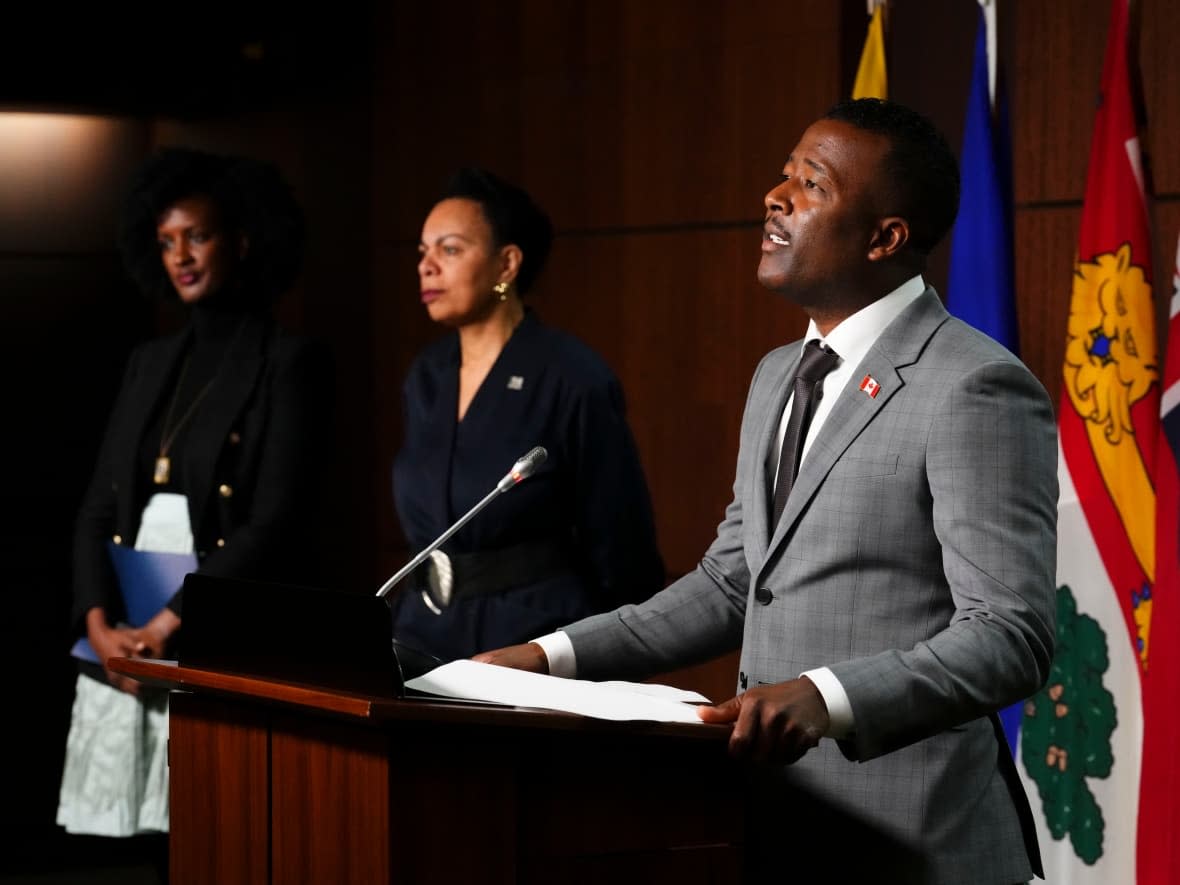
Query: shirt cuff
{"type": "Point", "coordinates": [560, 651]}
{"type": "Point", "coordinates": [839, 707]}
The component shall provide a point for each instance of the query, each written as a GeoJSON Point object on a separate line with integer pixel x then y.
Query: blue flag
{"type": "Point", "coordinates": [981, 289]}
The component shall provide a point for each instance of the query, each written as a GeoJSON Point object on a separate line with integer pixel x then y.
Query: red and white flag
{"type": "Point", "coordinates": [1098, 743]}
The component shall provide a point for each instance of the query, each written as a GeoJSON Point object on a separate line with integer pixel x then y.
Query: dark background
{"type": "Point", "coordinates": [650, 132]}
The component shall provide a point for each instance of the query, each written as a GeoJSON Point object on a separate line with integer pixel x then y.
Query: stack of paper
{"type": "Point", "coordinates": [473, 681]}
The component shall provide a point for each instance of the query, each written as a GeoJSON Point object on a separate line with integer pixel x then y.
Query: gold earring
{"type": "Point", "coordinates": [501, 289]}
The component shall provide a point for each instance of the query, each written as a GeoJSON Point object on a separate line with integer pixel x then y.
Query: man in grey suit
{"type": "Point", "coordinates": [906, 591]}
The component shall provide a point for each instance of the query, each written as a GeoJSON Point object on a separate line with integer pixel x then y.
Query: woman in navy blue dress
{"type": "Point", "coordinates": [578, 536]}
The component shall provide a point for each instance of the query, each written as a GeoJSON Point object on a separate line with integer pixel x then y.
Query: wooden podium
{"type": "Point", "coordinates": [281, 782]}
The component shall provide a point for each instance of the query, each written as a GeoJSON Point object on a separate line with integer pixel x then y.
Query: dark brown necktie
{"type": "Point", "coordinates": [816, 362]}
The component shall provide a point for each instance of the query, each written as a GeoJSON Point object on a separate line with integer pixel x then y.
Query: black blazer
{"type": "Point", "coordinates": [588, 501]}
{"type": "Point", "coordinates": [252, 454]}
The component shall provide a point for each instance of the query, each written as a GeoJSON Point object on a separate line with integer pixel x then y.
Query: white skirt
{"type": "Point", "coordinates": [115, 781]}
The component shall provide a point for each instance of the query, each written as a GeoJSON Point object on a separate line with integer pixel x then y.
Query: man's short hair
{"type": "Point", "coordinates": [920, 166]}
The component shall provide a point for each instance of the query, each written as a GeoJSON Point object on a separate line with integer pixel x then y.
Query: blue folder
{"type": "Point", "coordinates": [147, 581]}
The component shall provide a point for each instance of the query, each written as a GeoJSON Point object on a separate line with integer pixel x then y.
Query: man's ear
{"type": "Point", "coordinates": [889, 238]}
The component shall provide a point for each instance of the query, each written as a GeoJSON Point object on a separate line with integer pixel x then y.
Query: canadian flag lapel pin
{"type": "Point", "coordinates": [870, 386]}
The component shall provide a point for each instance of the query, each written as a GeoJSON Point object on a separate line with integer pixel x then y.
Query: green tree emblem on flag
{"type": "Point", "coordinates": [1065, 735]}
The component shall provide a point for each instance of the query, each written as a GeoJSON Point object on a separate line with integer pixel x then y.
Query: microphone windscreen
{"type": "Point", "coordinates": [533, 459]}
{"type": "Point", "coordinates": [523, 468]}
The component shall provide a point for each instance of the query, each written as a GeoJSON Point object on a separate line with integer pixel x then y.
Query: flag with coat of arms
{"type": "Point", "coordinates": [1098, 742]}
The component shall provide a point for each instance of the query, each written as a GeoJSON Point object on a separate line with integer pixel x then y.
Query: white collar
{"type": "Point", "coordinates": [853, 336]}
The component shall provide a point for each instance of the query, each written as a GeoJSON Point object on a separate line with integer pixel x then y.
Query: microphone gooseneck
{"type": "Point", "coordinates": [525, 466]}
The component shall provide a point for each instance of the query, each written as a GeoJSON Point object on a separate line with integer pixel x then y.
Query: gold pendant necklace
{"type": "Point", "coordinates": [163, 472]}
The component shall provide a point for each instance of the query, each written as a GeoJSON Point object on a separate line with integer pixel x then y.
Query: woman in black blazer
{"type": "Point", "coordinates": [576, 538]}
{"type": "Point", "coordinates": [224, 422]}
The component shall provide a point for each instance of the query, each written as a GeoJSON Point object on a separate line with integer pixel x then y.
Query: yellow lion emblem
{"type": "Point", "coordinates": [1110, 364]}
{"type": "Point", "coordinates": [1110, 357]}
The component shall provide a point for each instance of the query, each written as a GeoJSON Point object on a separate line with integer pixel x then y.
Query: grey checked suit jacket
{"type": "Point", "coordinates": [915, 558]}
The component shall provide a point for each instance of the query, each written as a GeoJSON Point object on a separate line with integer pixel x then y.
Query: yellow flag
{"type": "Point", "coordinates": [871, 81]}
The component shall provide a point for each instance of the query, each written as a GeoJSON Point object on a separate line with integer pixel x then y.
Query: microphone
{"type": "Point", "coordinates": [525, 466]}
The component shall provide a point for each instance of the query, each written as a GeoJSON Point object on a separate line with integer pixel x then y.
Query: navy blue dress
{"type": "Point", "coordinates": [586, 513]}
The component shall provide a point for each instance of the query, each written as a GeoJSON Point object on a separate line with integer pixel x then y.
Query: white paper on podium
{"type": "Point", "coordinates": [474, 681]}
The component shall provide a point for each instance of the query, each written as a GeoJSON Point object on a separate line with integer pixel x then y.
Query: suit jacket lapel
{"type": "Point", "coordinates": [235, 381]}
{"type": "Point", "coordinates": [437, 465]}
{"type": "Point", "coordinates": [851, 414]}
{"type": "Point", "coordinates": [899, 346]}
{"type": "Point", "coordinates": [763, 490]}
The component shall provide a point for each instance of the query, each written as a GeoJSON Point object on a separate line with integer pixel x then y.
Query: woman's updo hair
{"type": "Point", "coordinates": [251, 199]}
{"type": "Point", "coordinates": [513, 216]}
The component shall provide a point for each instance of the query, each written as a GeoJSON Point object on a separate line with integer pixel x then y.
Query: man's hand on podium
{"type": "Point", "coordinates": [529, 656]}
{"type": "Point", "coordinates": [773, 723]}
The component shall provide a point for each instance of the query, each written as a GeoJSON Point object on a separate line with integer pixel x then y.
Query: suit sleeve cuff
{"type": "Point", "coordinates": [560, 651]}
{"type": "Point", "coordinates": [839, 707]}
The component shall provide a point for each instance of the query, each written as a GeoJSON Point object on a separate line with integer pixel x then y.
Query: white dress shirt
{"type": "Point", "coordinates": [851, 340]}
